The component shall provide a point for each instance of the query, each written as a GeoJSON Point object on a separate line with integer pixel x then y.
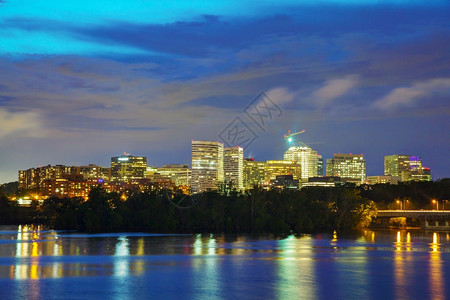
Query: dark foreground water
{"type": "Point", "coordinates": [37, 264]}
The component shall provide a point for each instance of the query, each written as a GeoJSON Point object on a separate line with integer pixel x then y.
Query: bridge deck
{"type": "Point", "coordinates": [420, 214]}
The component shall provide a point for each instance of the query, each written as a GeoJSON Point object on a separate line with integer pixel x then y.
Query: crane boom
{"type": "Point", "coordinates": [289, 135]}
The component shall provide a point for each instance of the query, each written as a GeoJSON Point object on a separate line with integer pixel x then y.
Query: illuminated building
{"type": "Point", "coordinates": [282, 167]}
{"type": "Point", "coordinates": [179, 174]}
{"type": "Point", "coordinates": [407, 167]}
{"type": "Point", "coordinates": [94, 172]}
{"type": "Point", "coordinates": [306, 157]}
{"type": "Point", "coordinates": [350, 167]}
{"type": "Point", "coordinates": [67, 187]}
{"type": "Point", "coordinates": [395, 164]}
{"type": "Point", "coordinates": [254, 172]}
{"type": "Point", "coordinates": [150, 171]}
{"type": "Point", "coordinates": [128, 167]}
{"type": "Point", "coordinates": [321, 181]}
{"type": "Point", "coordinates": [207, 166]}
{"type": "Point", "coordinates": [421, 174]}
{"type": "Point", "coordinates": [382, 179]}
{"type": "Point", "coordinates": [156, 183]}
{"type": "Point", "coordinates": [285, 182]}
{"type": "Point", "coordinates": [233, 167]}
{"type": "Point", "coordinates": [34, 177]}
{"type": "Point", "coordinates": [63, 181]}
{"type": "Point", "coordinates": [319, 165]}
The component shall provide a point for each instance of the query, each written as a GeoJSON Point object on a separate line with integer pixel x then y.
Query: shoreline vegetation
{"type": "Point", "coordinates": [312, 209]}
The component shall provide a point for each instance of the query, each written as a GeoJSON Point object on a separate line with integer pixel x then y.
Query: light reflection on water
{"type": "Point", "coordinates": [296, 269]}
{"type": "Point", "coordinates": [371, 264]}
{"type": "Point", "coordinates": [436, 275]}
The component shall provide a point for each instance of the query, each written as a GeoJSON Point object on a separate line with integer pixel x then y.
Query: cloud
{"type": "Point", "coordinates": [333, 89]}
{"type": "Point", "coordinates": [408, 96]}
{"type": "Point", "coordinates": [203, 35]}
{"type": "Point", "coordinates": [23, 124]}
{"type": "Point", "coordinates": [281, 95]}
{"type": "Point", "coordinates": [307, 98]}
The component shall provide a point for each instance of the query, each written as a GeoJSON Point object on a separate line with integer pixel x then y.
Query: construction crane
{"type": "Point", "coordinates": [289, 136]}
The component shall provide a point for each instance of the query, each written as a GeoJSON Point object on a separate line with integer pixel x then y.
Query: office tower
{"type": "Point", "coordinates": [347, 166]}
{"type": "Point", "coordinates": [282, 167]}
{"type": "Point", "coordinates": [306, 157]}
{"type": "Point", "coordinates": [128, 167]}
{"type": "Point", "coordinates": [319, 165]}
{"type": "Point", "coordinates": [179, 174]}
{"type": "Point", "coordinates": [233, 167]}
{"type": "Point", "coordinates": [407, 167]}
{"type": "Point", "coordinates": [395, 164]}
{"type": "Point", "coordinates": [254, 172]}
{"type": "Point", "coordinates": [207, 166]}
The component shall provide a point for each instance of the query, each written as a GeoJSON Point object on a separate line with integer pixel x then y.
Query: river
{"type": "Point", "coordinates": [389, 264]}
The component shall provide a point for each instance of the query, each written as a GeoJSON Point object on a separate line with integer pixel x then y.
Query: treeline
{"type": "Point", "coordinates": [11, 213]}
{"type": "Point", "coordinates": [311, 209]}
{"type": "Point", "coordinates": [419, 194]}
{"type": "Point", "coordinates": [257, 211]}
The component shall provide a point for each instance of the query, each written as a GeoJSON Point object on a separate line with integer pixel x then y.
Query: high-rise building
{"type": "Point", "coordinates": [306, 157]}
{"type": "Point", "coordinates": [254, 172]}
{"type": "Point", "coordinates": [233, 167]}
{"type": "Point", "coordinates": [63, 181]}
{"type": "Point", "coordinates": [319, 165]}
{"type": "Point", "coordinates": [282, 167]}
{"type": "Point", "coordinates": [407, 167]}
{"type": "Point", "coordinates": [128, 167]}
{"type": "Point", "coordinates": [207, 166]}
{"type": "Point", "coordinates": [34, 177]}
{"type": "Point", "coordinates": [179, 174]}
{"type": "Point", "coordinates": [347, 166]}
{"type": "Point", "coordinates": [395, 164]}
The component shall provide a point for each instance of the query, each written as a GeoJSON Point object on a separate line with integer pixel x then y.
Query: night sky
{"type": "Point", "coordinates": [81, 81]}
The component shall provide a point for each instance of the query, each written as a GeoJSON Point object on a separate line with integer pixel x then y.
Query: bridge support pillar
{"type": "Point", "coordinates": [425, 223]}
{"type": "Point", "coordinates": [436, 223]}
{"type": "Point", "coordinates": [446, 223]}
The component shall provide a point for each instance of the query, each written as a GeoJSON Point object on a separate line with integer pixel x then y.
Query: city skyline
{"type": "Point", "coordinates": [215, 167]}
{"type": "Point", "coordinates": [206, 149]}
{"type": "Point", "coordinates": [81, 82]}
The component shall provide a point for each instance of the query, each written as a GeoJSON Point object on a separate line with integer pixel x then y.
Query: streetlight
{"type": "Point", "coordinates": [437, 203]}
{"type": "Point", "coordinates": [405, 202]}
{"type": "Point", "coordinates": [443, 204]}
{"type": "Point", "coordinates": [400, 204]}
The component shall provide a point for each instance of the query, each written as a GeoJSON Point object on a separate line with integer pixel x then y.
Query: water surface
{"type": "Point", "coordinates": [39, 264]}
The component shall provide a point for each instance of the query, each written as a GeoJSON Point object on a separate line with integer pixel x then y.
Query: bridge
{"type": "Point", "coordinates": [430, 219]}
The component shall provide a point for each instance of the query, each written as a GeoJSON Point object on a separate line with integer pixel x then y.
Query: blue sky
{"type": "Point", "coordinates": [82, 81]}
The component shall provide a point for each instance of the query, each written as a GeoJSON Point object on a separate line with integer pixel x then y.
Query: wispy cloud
{"type": "Point", "coordinates": [20, 124]}
{"type": "Point", "coordinates": [333, 89]}
{"type": "Point", "coordinates": [409, 96]}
